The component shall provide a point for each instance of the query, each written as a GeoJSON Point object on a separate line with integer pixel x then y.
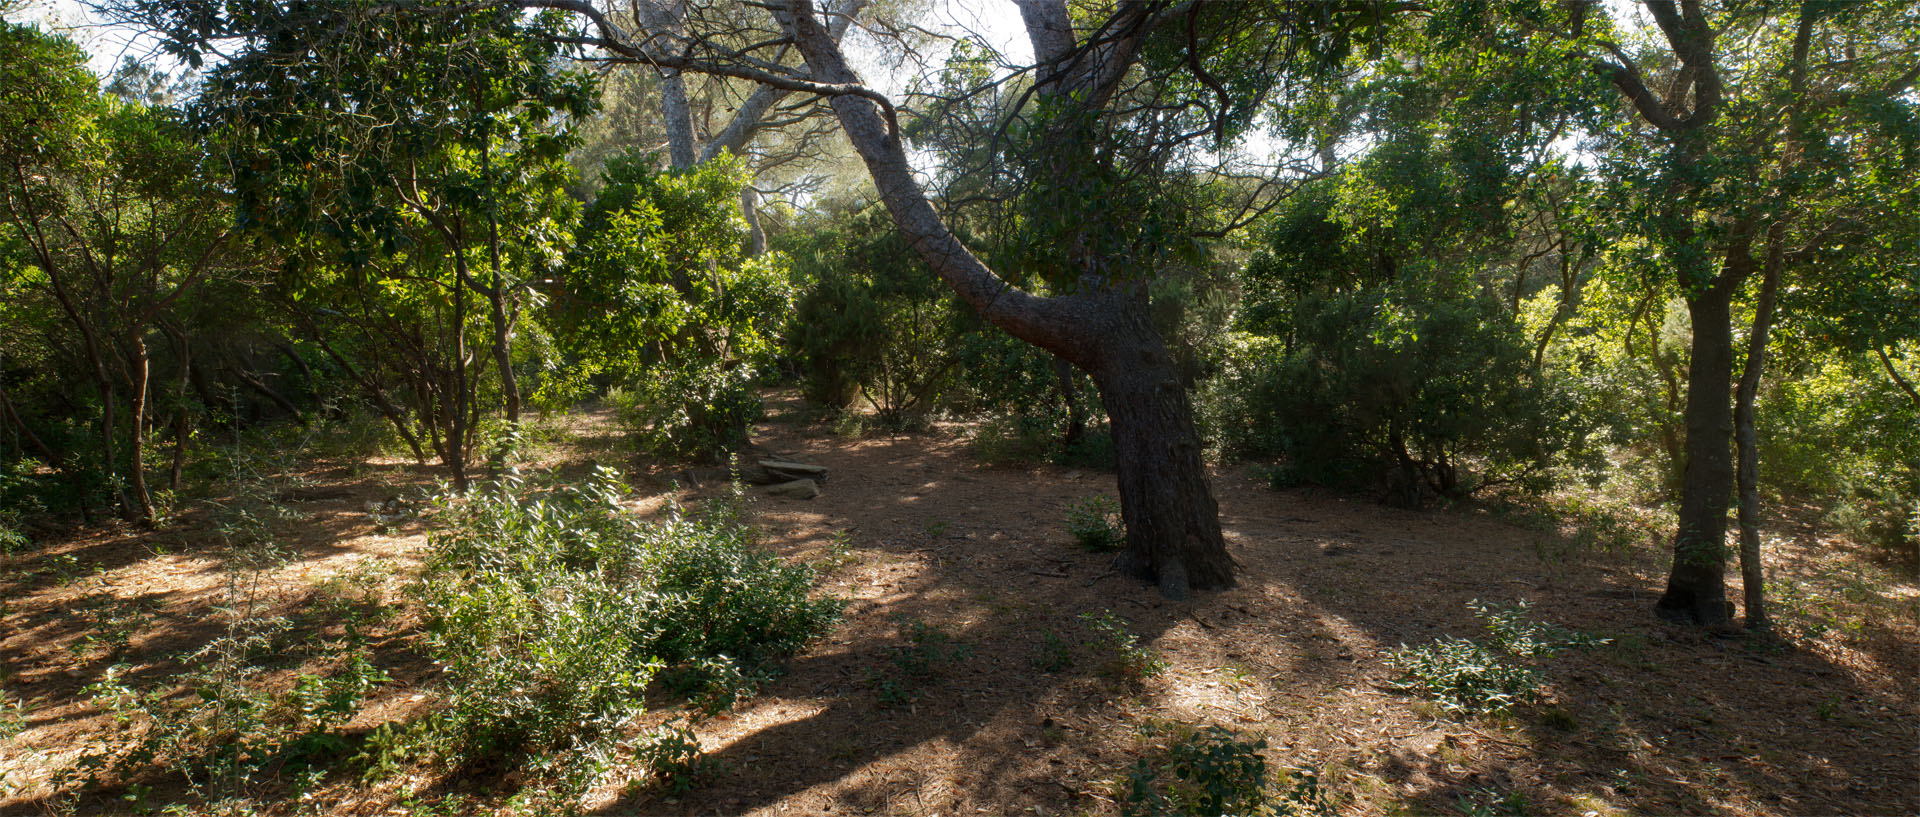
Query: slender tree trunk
{"type": "Point", "coordinates": [1893, 372]}
{"type": "Point", "coordinates": [137, 437]}
{"type": "Point", "coordinates": [109, 431]}
{"type": "Point", "coordinates": [1753, 578]}
{"type": "Point", "coordinates": [1696, 588]}
{"type": "Point", "coordinates": [306, 374]}
{"type": "Point", "coordinates": [1569, 299]}
{"type": "Point", "coordinates": [180, 430]}
{"type": "Point", "coordinates": [750, 209]}
{"type": "Point", "coordinates": [1066, 379]}
{"type": "Point", "coordinates": [503, 351]}
{"type": "Point", "coordinates": [679, 119]}
{"type": "Point", "coordinates": [497, 300]}
{"type": "Point", "coordinates": [456, 448]}
{"type": "Point", "coordinates": [374, 392]}
{"type": "Point", "coordinates": [54, 461]}
{"type": "Point", "coordinates": [255, 383]}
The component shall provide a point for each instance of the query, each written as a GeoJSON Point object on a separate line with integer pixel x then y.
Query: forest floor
{"type": "Point", "coordinates": [913, 531]}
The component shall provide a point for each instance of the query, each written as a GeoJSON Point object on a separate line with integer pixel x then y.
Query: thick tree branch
{"type": "Point", "coordinates": [1044, 322]}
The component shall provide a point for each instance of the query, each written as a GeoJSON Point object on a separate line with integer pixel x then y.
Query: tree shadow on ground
{"type": "Point", "coordinates": [148, 601]}
{"type": "Point", "coordinates": [1667, 720]}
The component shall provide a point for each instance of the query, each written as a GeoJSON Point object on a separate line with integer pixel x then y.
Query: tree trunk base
{"type": "Point", "coordinates": [1173, 522]}
{"type": "Point", "coordinates": [1684, 608]}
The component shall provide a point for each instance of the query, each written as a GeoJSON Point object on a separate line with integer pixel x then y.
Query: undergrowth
{"type": "Point", "coordinates": [1468, 677]}
{"type": "Point", "coordinates": [1211, 771]}
{"type": "Point", "coordinates": [1095, 524]}
{"type": "Point", "coordinates": [553, 612]}
{"type": "Point", "coordinates": [928, 650]}
{"type": "Point", "coordinates": [1125, 658]}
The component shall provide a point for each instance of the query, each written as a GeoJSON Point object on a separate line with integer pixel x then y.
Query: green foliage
{"type": "Point", "coordinates": [1510, 631]}
{"type": "Point", "coordinates": [1124, 657]}
{"type": "Point", "coordinates": [688, 413]}
{"type": "Point", "coordinates": [1030, 438]}
{"type": "Point", "coordinates": [1466, 677]}
{"type": "Point", "coordinates": [873, 321]}
{"type": "Point", "coordinates": [1212, 771]}
{"type": "Point", "coordinates": [55, 92]}
{"type": "Point", "coordinates": [1095, 524]}
{"type": "Point", "coordinates": [553, 613]}
{"type": "Point", "coordinates": [111, 228]}
{"type": "Point", "coordinates": [660, 296]}
{"type": "Point", "coordinates": [232, 728]}
{"type": "Point", "coordinates": [1366, 365]}
{"type": "Point", "coordinates": [1841, 430]}
{"type": "Point", "coordinates": [715, 684]}
{"type": "Point", "coordinates": [12, 538]}
{"type": "Point", "coordinates": [13, 716]}
{"type": "Point", "coordinates": [672, 757]}
{"type": "Point", "coordinates": [1055, 654]}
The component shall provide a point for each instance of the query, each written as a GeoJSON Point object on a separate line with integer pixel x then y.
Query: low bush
{"type": "Point", "coordinates": [1211, 771]}
{"type": "Point", "coordinates": [552, 613]}
{"type": "Point", "coordinates": [233, 727]}
{"type": "Point", "coordinates": [1095, 524]}
{"type": "Point", "coordinates": [1466, 677]}
{"type": "Point", "coordinates": [927, 650]}
{"type": "Point", "coordinates": [1126, 658]}
{"type": "Point", "coordinates": [688, 413]}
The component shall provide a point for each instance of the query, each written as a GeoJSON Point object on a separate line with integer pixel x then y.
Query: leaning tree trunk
{"type": "Point", "coordinates": [1173, 527]}
{"type": "Point", "coordinates": [1696, 589]}
{"type": "Point", "coordinates": [1173, 523]}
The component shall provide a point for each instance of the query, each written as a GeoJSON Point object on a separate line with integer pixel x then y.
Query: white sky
{"type": "Point", "coordinates": [994, 23]}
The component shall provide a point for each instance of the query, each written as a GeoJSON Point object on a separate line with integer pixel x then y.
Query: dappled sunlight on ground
{"type": "Point", "coordinates": [914, 533]}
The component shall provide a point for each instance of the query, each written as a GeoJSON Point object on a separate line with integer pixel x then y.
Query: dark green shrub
{"type": "Point", "coordinates": [1412, 392]}
{"type": "Point", "coordinates": [1380, 351]}
{"type": "Point", "coordinates": [1836, 428]}
{"type": "Point", "coordinates": [661, 300]}
{"type": "Point", "coordinates": [874, 321]}
{"type": "Point", "coordinates": [688, 413]}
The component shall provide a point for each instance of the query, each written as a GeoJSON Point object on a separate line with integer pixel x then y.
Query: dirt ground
{"type": "Point", "coordinates": [912, 528]}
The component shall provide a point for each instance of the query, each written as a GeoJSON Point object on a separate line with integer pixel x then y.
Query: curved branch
{"type": "Point", "coordinates": [1045, 322]}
